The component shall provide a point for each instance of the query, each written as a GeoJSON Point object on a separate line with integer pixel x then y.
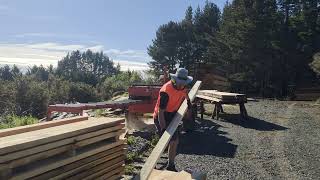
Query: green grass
{"type": "Point", "coordinates": [132, 156]}
{"type": "Point", "coordinates": [98, 112]}
{"type": "Point", "coordinates": [131, 140]}
{"type": "Point", "coordinates": [154, 140]}
{"type": "Point", "coordinates": [11, 121]}
{"type": "Point", "coordinates": [129, 169]}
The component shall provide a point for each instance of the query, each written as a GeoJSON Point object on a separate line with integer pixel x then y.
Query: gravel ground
{"type": "Point", "coordinates": [281, 140]}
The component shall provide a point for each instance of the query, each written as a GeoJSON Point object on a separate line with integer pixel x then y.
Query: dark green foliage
{"type": "Point", "coordinates": [7, 96]}
{"type": "Point", "coordinates": [10, 121]}
{"type": "Point", "coordinates": [8, 74]}
{"type": "Point", "coordinates": [88, 67]}
{"type": "Point", "coordinates": [264, 46]}
{"type": "Point", "coordinates": [119, 83]}
{"type": "Point", "coordinates": [32, 97]}
{"type": "Point", "coordinates": [39, 73]}
{"type": "Point", "coordinates": [81, 92]}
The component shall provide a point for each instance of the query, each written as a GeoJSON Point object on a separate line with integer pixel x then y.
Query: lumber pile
{"type": "Point", "coordinates": [75, 148]}
{"type": "Point", "coordinates": [224, 97]}
{"type": "Point", "coordinates": [307, 94]}
{"type": "Point", "coordinates": [211, 77]}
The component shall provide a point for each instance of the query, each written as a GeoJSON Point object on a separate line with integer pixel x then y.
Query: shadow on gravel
{"type": "Point", "coordinates": [206, 140]}
{"type": "Point", "coordinates": [252, 123]}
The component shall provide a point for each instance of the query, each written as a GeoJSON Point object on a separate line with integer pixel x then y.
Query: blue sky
{"type": "Point", "coordinates": [43, 31]}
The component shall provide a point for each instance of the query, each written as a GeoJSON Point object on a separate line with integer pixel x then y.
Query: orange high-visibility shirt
{"type": "Point", "coordinates": [176, 97]}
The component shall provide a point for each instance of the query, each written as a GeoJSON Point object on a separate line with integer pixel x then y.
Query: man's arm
{"type": "Point", "coordinates": [164, 98]}
{"type": "Point", "coordinates": [188, 99]}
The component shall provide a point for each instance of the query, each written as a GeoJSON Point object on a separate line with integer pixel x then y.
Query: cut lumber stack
{"type": "Point", "coordinates": [224, 97]}
{"type": "Point", "coordinates": [75, 148]}
{"type": "Point", "coordinates": [211, 77]}
{"type": "Point", "coordinates": [307, 94]}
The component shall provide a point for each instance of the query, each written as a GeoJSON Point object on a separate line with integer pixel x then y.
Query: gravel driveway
{"type": "Point", "coordinates": [281, 140]}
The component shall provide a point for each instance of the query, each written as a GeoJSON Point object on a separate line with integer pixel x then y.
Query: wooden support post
{"type": "Point", "coordinates": [165, 138]}
{"type": "Point", "coordinates": [220, 108]}
{"type": "Point", "coordinates": [201, 109]}
{"type": "Point", "coordinates": [243, 111]}
{"type": "Point", "coordinates": [49, 113]}
{"type": "Point", "coordinates": [217, 110]}
{"type": "Point", "coordinates": [214, 112]}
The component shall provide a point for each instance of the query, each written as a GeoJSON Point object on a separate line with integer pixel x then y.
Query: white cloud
{"type": "Point", "coordinates": [4, 7]}
{"type": "Point", "coordinates": [128, 55]}
{"type": "Point", "coordinates": [51, 35]}
{"type": "Point", "coordinates": [137, 66]}
{"type": "Point", "coordinates": [50, 53]}
{"type": "Point", "coordinates": [35, 35]}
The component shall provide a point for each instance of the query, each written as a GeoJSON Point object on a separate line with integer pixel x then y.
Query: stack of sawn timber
{"type": "Point", "coordinates": [307, 94]}
{"type": "Point", "coordinates": [224, 97]}
{"type": "Point", "coordinates": [74, 148]}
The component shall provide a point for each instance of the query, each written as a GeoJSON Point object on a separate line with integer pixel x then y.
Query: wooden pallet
{"type": "Point", "coordinates": [65, 150]}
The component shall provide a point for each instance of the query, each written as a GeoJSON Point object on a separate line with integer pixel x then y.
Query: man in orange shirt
{"type": "Point", "coordinates": [171, 96]}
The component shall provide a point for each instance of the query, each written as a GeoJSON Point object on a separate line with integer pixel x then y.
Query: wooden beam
{"type": "Point", "coordinates": [165, 138]}
{"type": "Point", "coordinates": [100, 170]}
{"type": "Point", "coordinates": [43, 125]}
{"type": "Point", "coordinates": [119, 170]}
{"type": "Point", "coordinates": [52, 152]}
{"type": "Point", "coordinates": [92, 167]}
{"type": "Point", "coordinates": [40, 169]}
{"type": "Point", "coordinates": [31, 139]}
{"type": "Point", "coordinates": [75, 166]}
{"type": "Point", "coordinates": [52, 145]}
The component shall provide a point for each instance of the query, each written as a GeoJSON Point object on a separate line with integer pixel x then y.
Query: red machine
{"type": "Point", "coordinates": [148, 94]}
{"type": "Point", "coordinates": [142, 99]}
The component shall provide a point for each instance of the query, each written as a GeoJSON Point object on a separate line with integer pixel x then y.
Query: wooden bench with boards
{"type": "Point", "coordinates": [219, 98]}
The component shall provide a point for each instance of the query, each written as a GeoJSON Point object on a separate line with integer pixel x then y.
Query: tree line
{"type": "Point", "coordinates": [265, 47]}
{"type": "Point", "coordinates": [79, 77]}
